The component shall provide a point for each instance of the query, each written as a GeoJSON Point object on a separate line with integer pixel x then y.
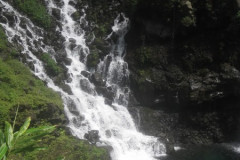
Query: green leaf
{"type": "Point", "coordinates": [3, 150]}
{"type": "Point", "coordinates": [24, 127]}
{"type": "Point", "coordinates": [2, 139]}
{"type": "Point", "coordinates": [46, 129]}
{"type": "Point", "coordinates": [32, 136]}
{"type": "Point", "coordinates": [8, 134]}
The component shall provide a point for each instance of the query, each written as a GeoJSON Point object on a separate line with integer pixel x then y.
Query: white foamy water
{"type": "Point", "coordinates": [114, 123]}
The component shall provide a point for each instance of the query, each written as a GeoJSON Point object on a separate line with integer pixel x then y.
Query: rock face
{"type": "Point", "coordinates": [184, 71]}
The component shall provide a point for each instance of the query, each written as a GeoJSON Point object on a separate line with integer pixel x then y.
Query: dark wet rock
{"type": "Point", "coordinates": [72, 3]}
{"type": "Point", "coordinates": [76, 16]}
{"type": "Point", "coordinates": [66, 88]}
{"type": "Point", "coordinates": [169, 148]}
{"type": "Point", "coordinates": [3, 19]}
{"type": "Point", "coordinates": [108, 133]}
{"type": "Point", "coordinates": [92, 136]}
{"type": "Point", "coordinates": [67, 61]}
{"type": "Point", "coordinates": [72, 107]}
{"type": "Point", "coordinates": [106, 92]}
{"type": "Point", "coordinates": [11, 17]}
{"type": "Point", "coordinates": [108, 61]}
{"type": "Point", "coordinates": [108, 101]}
{"type": "Point", "coordinates": [61, 56]}
{"type": "Point", "coordinates": [56, 13]}
{"type": "Point", "coordinates": [77, 121]}
{"type": "Point", "coordinates": [59, 3]}
{"type": "Point", "coordinates": [1, 6]}
{"type": "Point", "coordinates": [86, 86]}
{"type": "Point", "coordinates": [72, 46]}
{"type": "Point", "coordinates": [72, 40]}
{"type": "Point", "coordinates": [85, 74]}
{"type": "Point", "coordinates": [96, 78]}
{"type": "Point", "coordinates": [183, 127]}
{"type": "Point", "coordinates": [29, 34]}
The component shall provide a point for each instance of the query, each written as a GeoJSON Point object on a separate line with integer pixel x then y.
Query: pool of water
{"type": "Point", "coordinates": [211, 152]}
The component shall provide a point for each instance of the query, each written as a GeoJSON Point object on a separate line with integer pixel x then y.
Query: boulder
{"type": "Point", "coordinates": [92, 136]}
{"type": "Point", "coordinates": [96, 78]}
{"type": "Point", "coordinates": [11, 17]}
{"type": "Point", "coordinates": [59, 3]}
{"type": "Point", "coordinates": [76, 16]}
{"type": "Point", "coordinates": [86, 74]}
{"type": "Point", "coordinates": [86, 86]}
{"type": "Point", "coordinates": [56, 13]}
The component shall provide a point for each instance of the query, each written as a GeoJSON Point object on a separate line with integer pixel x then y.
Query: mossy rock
{"type": "Point", "coordinates": [76, 16]}
{"type": "Point", "coordinates": [93, 59]}
{"type": "Point", "coordinates": [50, 65]}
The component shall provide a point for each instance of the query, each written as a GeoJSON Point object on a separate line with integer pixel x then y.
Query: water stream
{"type": "Point", "coordinates": [114, 124]}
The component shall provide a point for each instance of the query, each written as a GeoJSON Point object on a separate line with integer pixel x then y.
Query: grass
{"type": "Point", "coordinates": [35, 10]}
{"type": "Point", "coordinates": [19, 86]}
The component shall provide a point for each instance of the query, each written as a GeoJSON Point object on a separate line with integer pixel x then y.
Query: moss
{"type": "Point", "coordinates": [35, 10]}
{"type": "Point", "coordinates": [143, 75]}
{"type": "Point", "coordinates": [187, 21]}
{"type": "Point", "coordinates": [93, 59]}
{"type": "Point", "coordinates": [144, 54]}
{"type": "Point", "coordinates": [51, 66]}
{"type": "Point", "coordinates": [65, 147]}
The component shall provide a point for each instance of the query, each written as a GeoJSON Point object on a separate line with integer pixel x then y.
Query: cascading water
{"type": "Point", "coordinates": [113, 69]}
{"type": "Point", "coordinates": [114, 123]}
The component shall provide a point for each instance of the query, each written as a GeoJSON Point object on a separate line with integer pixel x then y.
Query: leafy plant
{"type": "Point", "coordinates": [24, 140]}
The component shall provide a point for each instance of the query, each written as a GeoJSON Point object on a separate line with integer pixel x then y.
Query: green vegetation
{"type": "Point", "coordinates": [144, 54]}
{"type": "Point", "coordinates": [21, 141]}
{"type": "Point", "coordinates": [51, 66]}
{"type": "Point", "coordinates": [19, 88]}
{"type": "Point", "coordinates": [36, 11]}
{"type": "Point", "coordinates": [60, 146]}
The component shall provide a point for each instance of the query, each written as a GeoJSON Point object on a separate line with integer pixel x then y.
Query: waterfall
{"type": "Point", "coordinates": [86, 109]}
